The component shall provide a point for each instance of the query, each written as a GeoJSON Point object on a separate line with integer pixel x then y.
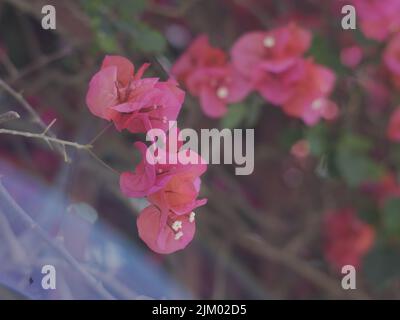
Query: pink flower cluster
{"type": "Point", "coordinates": [391, 60]}
{"type": "Point", "coordinates": [379, 19]}
{"type": "Point", "coordinates": [116, 93]}
{"type": "Point", "coordinates": [348, 238]}
{"type": "Point", "coordinates": [269, 62]}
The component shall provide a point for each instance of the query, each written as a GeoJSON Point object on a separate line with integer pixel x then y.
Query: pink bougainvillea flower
{"type": "Point", "coordinates": [348, 238]}
{"type": "Point", "coordinates": [391, 58]}
{"type": "Point", "coordinates": [180, 193]}
{"type": "Point", "coordinates": [272, 51]}
{"type": "Point", "coordinates": [393, 129]}
{"type": "Point", "coordinates": [150, 109]}
{"type": "Point", "coordinates": [216, 87]}
{"type": "Point", "coordinates": [173, 235]}
{"type": "Point", "coordinates": [351, 56]}
{"type": "Point", "coordinates": [150, 177]}
{"type": "Point", "coordinates": [309, 98]}
{"type": "Point", "coordinates": [200, 54]}
{"type": "Point", "coordinates": [147, 177]}
{"type": "Point", "coordinates": [116, 93]}
{"type": "Point", "coordinates": [378, 18]}
{"type": "Point", "coordinates": [278, 87]}
{"type": "Point", "coordinates": [106, 85]}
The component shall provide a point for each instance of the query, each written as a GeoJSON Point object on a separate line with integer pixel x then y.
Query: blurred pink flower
{"type": "Point", "coordinates": [378, 18]}
{"type": "Point", "coordinates": [116, 93]}
{"type": "Point", "coordinates": [278, 87]}
{"type": "Point", "coordinates": [309, 100]}
{"type": "Point", "coordinates": [270, 51]}
{"type": "Point", "coordinates": [348, 238]}
{"type": "Point", "coordinates": [391, 58]}
{"type": "Point", "coordinates": [302, 91]}
{"type": "Point", "coordinates": [393, 129]}
{"type": "Point", "coordinates": [173, 235]}
{"type": "Point", "coordinates": [351, 56]}
{"type": "Point", "coordinates": [200, 54]}
{"type": "Point", "coordinates": [217, 87]}
{"type": "Point", "coordinates": [386, 187]}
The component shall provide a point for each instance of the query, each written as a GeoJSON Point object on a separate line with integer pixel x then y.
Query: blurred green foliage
{"type": "Point", "coordinates": [354, 162]}
{"type": "Point", "coordinates": [118, 19]}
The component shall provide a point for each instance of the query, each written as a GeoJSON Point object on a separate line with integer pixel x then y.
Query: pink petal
{"type": "Point", "coordinates": [148, 224]}
{"type": "Point", "coordinates": [102, 93]}
{"type": "Point", "coordinates": [211, 104]}
{"type": "Point", "coordinates": [124, 66]}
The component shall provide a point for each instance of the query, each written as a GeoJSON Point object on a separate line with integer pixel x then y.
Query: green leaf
{"type": "Point", "coordinates": [368, 212]}
{"type": "Point", "coordinates": [353, 162]}
{"type": "Point", "coordinates": [253, 115]}
{"type": "Point", "coordinates": [391, 216]}
{"type": "Point", "coordinates": [317, 138]}
{"type": "Point", "coordinates": [325, 53]}
{"type": "Point", "coordinates": [129, 9]}
{"type": "Point", "coordinates": [106, 42]}
{"type": "Point", "coordinates": [289, 137]}
{"type": "Point", "coordinates": [236, 114]}
{"type": "Point", "coordinates": [149, 40]}
{"type": "Point", "coordinates": [382, 265]}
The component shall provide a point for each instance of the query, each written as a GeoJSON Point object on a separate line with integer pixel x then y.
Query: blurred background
{"type": "Point", "coordinates": [317, 195]}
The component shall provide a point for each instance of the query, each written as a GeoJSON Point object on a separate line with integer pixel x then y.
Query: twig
{"type": "Point", "coordinates": [17, 252]}
{"type": "Point", "coordinates": [8, 116]}
{"type": "Point", "coordinates": [41, 63]}
{"type": "Point", "coordinates": [29, 222]}
{"type": "Point", "coordinates": [114, 284]}
{"type": "Point", "coordinates": [35, 117]}
{"type": "Point", "coordinates": [104, 130]}
{"type": "Point", "coordinates": [101, 161]}
{"type": "Point", "coordinates": [261, 247]}
{"type": "Point", "coordinates": [44, 137]}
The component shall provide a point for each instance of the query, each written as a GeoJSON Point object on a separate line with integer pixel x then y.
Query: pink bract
{"type": "Point", "coordinates": [173, 235]}
{"type": "Point", "coordinates": [216, 87]}
{"type": "Point", "coordinates": [272, 51]}
{"type": "Point", "coordinates": [378, 18]}
{"type": "Point", "coordinates": [200, 54]}
{"type": "Point", "coordinates": [117, 94]}
{"type": "Point", "coordinates": [347, 238]}
{"type": "Point", "coordinates": [391, 58]}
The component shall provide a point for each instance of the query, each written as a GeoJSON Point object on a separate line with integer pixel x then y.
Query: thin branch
{"type": "Point", "coordinates": [41, 63]}
{"type": "Point", "coordinates": [104, 130]}
{"type": "Point", "coordinates": [8, 116]}
{"type": "Point", "coordinates": [102, 162]}
{"type": "Point", "coordinates": [30, 223]}
{"type": "Point", "coordinates": [35, 117]}
{"type": "Point", "coordinates": [44, 137]}
{"type": "Point", "coordinates": [262, 248]}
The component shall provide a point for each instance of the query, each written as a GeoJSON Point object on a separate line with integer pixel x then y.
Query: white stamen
{"type": "Point", "coordinates": [159, 170]}
{"type": "Point", "coordinates": [191, 217]}
{"type": "Point", "coordinates": [317, 104]}
{"type": "Point", "coordinates": [164, 119]}
{"type": "Point", "coordinates": [178, 235]}
{"type": "Point", "coordinates": [269, 42]}
{"type": "Point", "coordinates": [222, 92]}
{"type": "Point", "coordinates": [177, 225]}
